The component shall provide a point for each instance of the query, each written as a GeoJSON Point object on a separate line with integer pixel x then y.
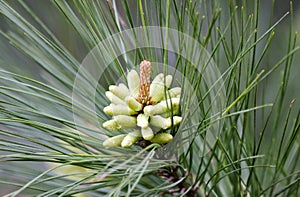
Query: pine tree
{"type": "Point", "coordinates": [148, 98]}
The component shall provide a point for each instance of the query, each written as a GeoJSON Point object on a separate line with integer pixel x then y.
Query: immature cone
{"type": "Point", "coordinates": [114, 141]}
{"type": "Point", "coordinates": [120, 91]}
{"type": "Point", "coordinates": [131, 138]}
{"type": "Point", "coordinates": [162, 138]}
{"type": "Point", "coordinates": [133, 80]}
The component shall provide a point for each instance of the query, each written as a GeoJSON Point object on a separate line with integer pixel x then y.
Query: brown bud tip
{"type": "Point", "coordinates": [144, 89]}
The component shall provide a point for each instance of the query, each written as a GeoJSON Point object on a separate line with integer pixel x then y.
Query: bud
{"type": "Point", "coordinates": [162, 107]}
{"type": "Point", "coordinates": [111, 125]}
{"type": "Point", "coordinates": [160, 122]}
{"type": "Point", "coordinates": [169, 113]}
{"type": "Point", "coordinates": [133, 80]}
{"type": "Point", "coordinates": [147, 133]}
{"type": "Point", "coordinates": [131, 138]}
{"type": "Point", "coordinates": [162, 138]}
{"type": "Point", "coordinates": [168, 81]}
{"type": "Point", "coordinates": [119, 109]}
{"type": "Point", "coordinates": [125, 122]}
{"type": "Point", "coordinates": [177, 120]}
{"type": "Point", "coordinates": [120, 91]}
{"type": "Point", "coordinates": [113, 98]}
{"type": "Point", "coordinates": [157, 88]}
{"type": "Point", "coordinates": [174, 92]}
{"type": "Point", "coordinates": [164, 123]}
{"type": "Point", "coordinates": [114, 141]}
{"type": "Point", "coordinates": [133, 103]}
{"type": "Point", "coordinates": [142, 120]}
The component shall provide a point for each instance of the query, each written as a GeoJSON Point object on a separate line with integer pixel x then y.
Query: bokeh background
{"type": "Point", "coordinates": [55, 21]}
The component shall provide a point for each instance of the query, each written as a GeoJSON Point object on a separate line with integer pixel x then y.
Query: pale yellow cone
{"type": "Point", "coordinates": [114, 141]}
{"type": "Point", "coordinates": [118, 109]}
{"type": "Point", "coordinates": [120, 91]}
{"type": "Point", "coordinates": [133, 80]}
{"type": "Point", "coordinates": [131, 138]}
{"type": "Point", "coordinates": [162, 138]}
{"type": "Point", "coordinates": [147, 133]}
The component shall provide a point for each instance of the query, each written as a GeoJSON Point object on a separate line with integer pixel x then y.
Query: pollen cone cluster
{"type": "Point", "coordinates": [143, 107]}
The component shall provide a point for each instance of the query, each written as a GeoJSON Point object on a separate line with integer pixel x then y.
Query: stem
{"type": "Point", "coordinates": [185, 182]}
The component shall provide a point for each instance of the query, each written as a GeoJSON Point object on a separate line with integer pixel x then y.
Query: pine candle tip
{"type": "Point", "coordinates": [144, 88]}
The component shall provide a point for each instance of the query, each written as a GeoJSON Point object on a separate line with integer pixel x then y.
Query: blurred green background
{"type": "Point", "coordinates": [55, 21]}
